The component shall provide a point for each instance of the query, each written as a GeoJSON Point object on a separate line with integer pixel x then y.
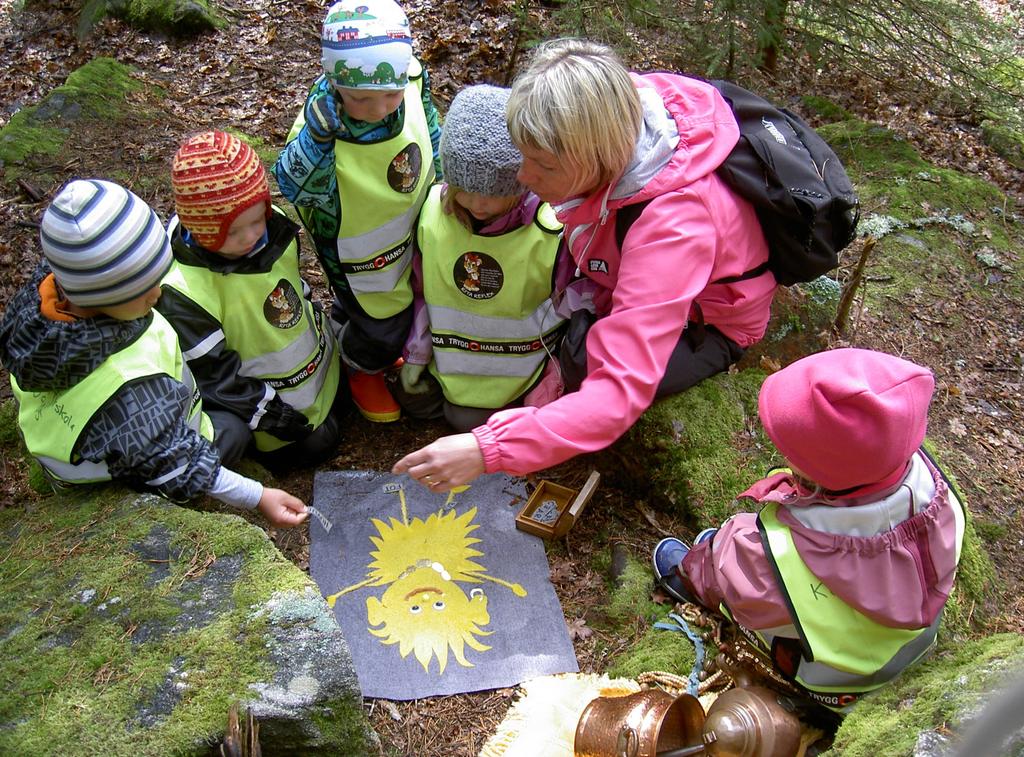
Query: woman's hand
{"type": "Point", "coordinates": [444, 463]}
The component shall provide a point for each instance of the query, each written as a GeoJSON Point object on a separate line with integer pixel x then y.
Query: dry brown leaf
{"type": "Point", "coordinates": [578, 629]}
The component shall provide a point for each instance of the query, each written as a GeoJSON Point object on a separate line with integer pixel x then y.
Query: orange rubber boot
{"type": "Point", "coordinates": [372, 397]}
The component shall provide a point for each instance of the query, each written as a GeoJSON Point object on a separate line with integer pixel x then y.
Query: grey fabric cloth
{"type": "Point", "coordinates": [436, 577]}
{"type": "Point", "coordinates": [477, 153]}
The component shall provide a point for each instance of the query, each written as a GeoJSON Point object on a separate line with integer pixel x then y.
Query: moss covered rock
{"type": "Point", "coordinates": [693, 453]}
{"type": "Point", "coordinates": [631, 611]}
{"type": "Point", "coordinates": [180, 17]}
{"type": "Point", "coordinates": [1007, 141]}
{"type": "Point", "coordinates": [97, 104]}
{"type": "Point", "coordinates": [96, 91]}
{"type": "Point", "coordinates": [129, 625]}
{"type": "Point", "coordinates": [918, 710]}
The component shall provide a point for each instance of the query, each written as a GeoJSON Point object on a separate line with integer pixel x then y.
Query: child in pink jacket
{"type": "Point", "coordinates": [841, 577]}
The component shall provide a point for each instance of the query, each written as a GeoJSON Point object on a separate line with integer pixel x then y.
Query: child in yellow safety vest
{"type": "Point", "coordinates": [359, 161]}
{"type": "Point", "coordinates": [258, 345]}
{"type": "Point", "coordinates": [102, 388]}
{"type": "Point", "coordinates": [841, 577]}
{"type": "Point", "coordinates": [493, 274]}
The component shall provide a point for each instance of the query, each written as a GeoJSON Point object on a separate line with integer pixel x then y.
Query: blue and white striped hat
{"type": "Point", "coordinates": [105, 245]}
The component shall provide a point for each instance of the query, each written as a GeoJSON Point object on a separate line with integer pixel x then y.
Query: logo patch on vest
{"type": "Point", "coordinates": [478, 275]}
{"type": "Point", "coordinates": [597, 266]}
{"type": "Point", "coordinates": [404, 171]}
{"type": "Point", "coordinates": [283, 306]}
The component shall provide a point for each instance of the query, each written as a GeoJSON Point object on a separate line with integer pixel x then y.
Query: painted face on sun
{"type": "Point", "coordinates": [429, 614]}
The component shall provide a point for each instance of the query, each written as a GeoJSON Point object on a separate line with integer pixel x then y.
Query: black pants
{"type": "Point", "coordinates": [432, 405]}
{"type": "Point", "coordinates": [702, 352]}
{"type": "Point", "coordinates": [231, 436]}
{"type": "Point", "coordinates": [319, 446]}
{"type": "Point", "coordinates": [368, 344]}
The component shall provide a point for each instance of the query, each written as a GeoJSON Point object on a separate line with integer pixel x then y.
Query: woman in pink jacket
{"type": "Point", "coordinates": [841, 577]}
{"type": "Point", "coordinates": [673, 304]}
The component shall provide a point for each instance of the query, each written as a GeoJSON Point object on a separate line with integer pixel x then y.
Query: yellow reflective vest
{"type": "Point", "coordinates": [279, 336]}
{"type": "Point", "coordinates": [488, 298]}
{"type": "Point", "coordinates": [382, 186]}
{"type": "Point", "coordinates": [52, 422]}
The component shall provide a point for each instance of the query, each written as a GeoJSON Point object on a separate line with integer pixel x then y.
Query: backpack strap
{"type": "Point", "coordinates": [626, 216]}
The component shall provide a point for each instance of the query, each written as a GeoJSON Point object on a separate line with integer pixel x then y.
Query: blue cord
{"type": "Point", "coordinates": [682, 626]}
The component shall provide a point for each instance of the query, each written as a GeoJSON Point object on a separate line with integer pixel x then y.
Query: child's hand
{"type": "Point", "coordinates": [322, 119]}
{"type": "Point", "coordinates": [281, 509]}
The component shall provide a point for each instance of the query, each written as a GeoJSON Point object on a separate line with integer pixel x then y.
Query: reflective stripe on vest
{"type": "Point", "coordinates": [279, 336]}
{"type": "Point", "coordinates": [843, 649]}
{"type": "Point", "coordinates": [52, 422]}
{"type": "Point", "coordinates": [382, 186]}
{"type": "Point", "coordinates": [488, 302]}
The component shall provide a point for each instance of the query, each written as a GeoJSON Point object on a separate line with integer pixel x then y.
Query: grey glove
{"type": "Point", "coordinates": [322, 119]}
{"type": "Point", "coordinates": [410, 375]}
{"type": "Point", "coordinates": [284, 421]}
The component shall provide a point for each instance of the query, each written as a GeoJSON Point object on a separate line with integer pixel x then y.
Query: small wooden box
{"type": "Point", "coordinates": [552, 509]}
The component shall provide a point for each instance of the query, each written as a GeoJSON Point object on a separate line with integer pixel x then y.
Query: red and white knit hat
{"type": "Point", "coordinates": [216, 177]}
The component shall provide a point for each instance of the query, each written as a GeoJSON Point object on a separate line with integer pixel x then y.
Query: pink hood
{"type": "Point", "coordinates": [694, 230]}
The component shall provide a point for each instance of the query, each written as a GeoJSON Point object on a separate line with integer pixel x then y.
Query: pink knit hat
{"type": "Point", "coordinates": [847, 418]}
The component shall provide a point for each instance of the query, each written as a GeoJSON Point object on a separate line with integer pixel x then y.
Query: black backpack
{"type": "Point", "coordinates": [803, 197]}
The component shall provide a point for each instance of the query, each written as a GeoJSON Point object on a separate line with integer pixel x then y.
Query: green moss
{"type": "Point", "coordinates": [79, 694]}
{"type": "Point", "coordinates": [936, 228]}
{"type": "Point", "coordinates": [97, 90]}
{"type": "Point", "coordinates": [1007, 142]}
{"type": "Point", "coordinates": [927, 696]}
{"type": "Point", "coordinates": [887, 170]}
{"type": "Point", "coordinates": [337, 726]}
{"type": "Point", "coordinates": [975, 588]}
{"type": "Point", "coordinates": [657, 649]}
{"type": "Point", "coordinates": [10, 439]}
{"type": "Point", "coordinates": [173, 16]}
{"type": "Point", "coordinates": [694, 452]}
{"type": "Point", "coordinates": [825, 108]}
{"type": "Point", "coordinates": [631, 597]}
{"type": "Point", "coordinates": [989, 531]}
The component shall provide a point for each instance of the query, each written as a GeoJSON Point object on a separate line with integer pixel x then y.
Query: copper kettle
{"type": "Point", "coordinates": [643, 724]}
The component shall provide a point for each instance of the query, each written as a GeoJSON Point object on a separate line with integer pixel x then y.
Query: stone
{"type": "Point", "coordinates": [130, 625]}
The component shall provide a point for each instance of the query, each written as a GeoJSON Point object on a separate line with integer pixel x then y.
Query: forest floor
{"type": "Point", "coordinates": [253, 77]}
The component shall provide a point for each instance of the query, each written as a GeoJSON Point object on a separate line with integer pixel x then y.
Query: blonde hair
{"type": "Point", "coordinates": [577, 101]}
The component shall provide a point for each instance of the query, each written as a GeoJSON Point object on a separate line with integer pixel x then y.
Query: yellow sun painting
{"type": "Point", "coordinates": [424, 610]}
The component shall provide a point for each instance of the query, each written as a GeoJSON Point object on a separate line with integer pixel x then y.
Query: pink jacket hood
{"type": "Point", "coordinates": [688, 130]}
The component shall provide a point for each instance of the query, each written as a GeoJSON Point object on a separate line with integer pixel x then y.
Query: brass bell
{"type": "Point", "coordinates": [751, 722]}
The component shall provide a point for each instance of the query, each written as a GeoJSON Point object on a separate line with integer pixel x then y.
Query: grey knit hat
{"type": "Point", "coordinates": [104, 244]}
{"type": "Point", "coordinates": [477, 154]}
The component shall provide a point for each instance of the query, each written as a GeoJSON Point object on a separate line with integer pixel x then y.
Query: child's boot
{"type": "Point", "coordinates": [666, 561]}
{"type": "Point", "coordinates": [370, 394]}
